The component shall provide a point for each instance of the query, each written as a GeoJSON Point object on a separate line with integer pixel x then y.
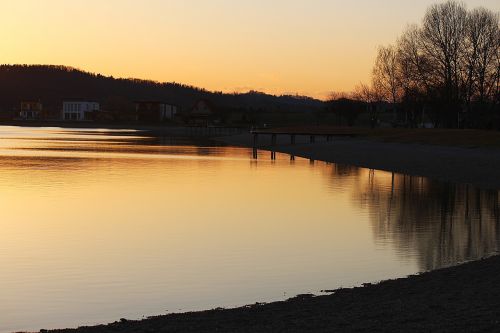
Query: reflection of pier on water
{"type": "Point", "coordinates": [273, 157]}
{"type": "Point", "coordinates": [438, 223]}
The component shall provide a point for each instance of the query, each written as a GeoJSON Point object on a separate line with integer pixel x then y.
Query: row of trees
{"type": "Point", "coordinates": [448, 67]}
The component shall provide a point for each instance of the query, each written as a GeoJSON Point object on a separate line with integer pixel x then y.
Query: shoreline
{"type": "Point", "coordinates": [476, 166]}
{"type": "Point", "coordinates": [459, 298]}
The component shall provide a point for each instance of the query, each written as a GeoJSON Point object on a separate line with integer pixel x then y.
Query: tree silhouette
{"type": "Point", "coordinates": [449, 66]}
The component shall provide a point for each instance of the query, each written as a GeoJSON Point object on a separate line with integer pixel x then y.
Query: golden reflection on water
{"type": "Point", "coordinates": [100, 225]}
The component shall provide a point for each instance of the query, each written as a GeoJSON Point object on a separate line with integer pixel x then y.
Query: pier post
{"type": "Point", "coordinates": [273, 139]}
{"type": "Point", "coordinates": [273, 155]}
{"type": "Point", "coordinates": [392, 184]}
{"type": "Point", "coordinates": [255, 139]}
{"type": "Point", "coordinates": [292, 139]}
{"type": "Point", "coordinates": [312, 139]}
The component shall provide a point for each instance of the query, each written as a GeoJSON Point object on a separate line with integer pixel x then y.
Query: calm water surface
{"type": "Point", "coordinates": [99, 225]}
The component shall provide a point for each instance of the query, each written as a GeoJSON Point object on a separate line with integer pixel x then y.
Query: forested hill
{"type": "Point", "coordinates": [52, 84]}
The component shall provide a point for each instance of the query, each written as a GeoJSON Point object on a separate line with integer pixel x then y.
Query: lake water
{"type": "Point", "coordinates": [97, 225]}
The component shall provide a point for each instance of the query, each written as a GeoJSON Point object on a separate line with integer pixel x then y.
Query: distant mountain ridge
{"type": "Point", "coordinates": [51, 84]}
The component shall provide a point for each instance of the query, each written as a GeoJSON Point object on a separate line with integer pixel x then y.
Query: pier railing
{"type": "Point", "coordinates": [294, 133]}
{"type": "Point", "coordinates": [214, 131]}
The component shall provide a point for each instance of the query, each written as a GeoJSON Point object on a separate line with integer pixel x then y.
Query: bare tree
{"type": "Point", "coordinates": [479, 61]}
{"type": "Point", "coordinates": [442, 40]}
{"type": "Point", "coordinates": [336, 95]}
{"type": "Point", "coordinates": [387, 74]}
{"type": "Point", "coordinates": [370, 95]}
{"type": "Point", "coordinates": [367, 93]}
{"type": "Point", "coordinates": [445, 65]}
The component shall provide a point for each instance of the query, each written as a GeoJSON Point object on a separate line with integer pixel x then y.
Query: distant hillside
{"type": "Point", "coordinates": [52, 84]}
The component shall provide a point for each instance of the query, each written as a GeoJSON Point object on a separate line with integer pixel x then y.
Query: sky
{"type": "Point", "coordinates": [307, 47]}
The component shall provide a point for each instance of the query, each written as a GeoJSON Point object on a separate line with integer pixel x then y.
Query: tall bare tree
{"type": "Point", "coordinates": [387, 74]}
{"type": "Point", "coordinates": [416, 68]}
{"type": "Point", "coordinates": [448, 63]}
{"type": "Point", "coordinates": [442, 39]}
{"type": "Point", "coordinates": [481, 55]}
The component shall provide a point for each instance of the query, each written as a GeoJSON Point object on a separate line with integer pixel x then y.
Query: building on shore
{"type": "Point", "coordinates": [31, 110]}
{"type": "Point", "coordinates": [203, 112]}
{"type": "Point", "coordinates": [80, 110]}
{"type": "Point", "coordinates": [155, 111]}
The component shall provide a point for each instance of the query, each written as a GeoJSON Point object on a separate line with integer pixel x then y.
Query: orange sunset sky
{"type": "Point", "coordinates": [309, 47]}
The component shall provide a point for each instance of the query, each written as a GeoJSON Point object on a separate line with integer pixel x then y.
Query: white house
{"type": "Point", "coordinates": [79, 110]}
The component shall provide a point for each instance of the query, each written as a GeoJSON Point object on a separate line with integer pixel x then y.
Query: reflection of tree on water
{"type": "Point", "coordinates": [439, 223]}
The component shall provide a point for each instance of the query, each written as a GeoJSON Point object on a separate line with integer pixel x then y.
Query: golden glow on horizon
{"type": "Point", "coordinates": [306, 47]}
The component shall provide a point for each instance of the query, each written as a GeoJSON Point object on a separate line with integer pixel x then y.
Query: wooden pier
{"type": "Point", "coordinates": [293, 134]}
{"type": "Point", "coordinates": [214, 131]}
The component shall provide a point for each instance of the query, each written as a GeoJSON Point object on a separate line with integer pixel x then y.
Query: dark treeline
{"type": "Point", "coordinates": [52, 84]}
{"type": "Point", "coordinates": [447, 68]}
